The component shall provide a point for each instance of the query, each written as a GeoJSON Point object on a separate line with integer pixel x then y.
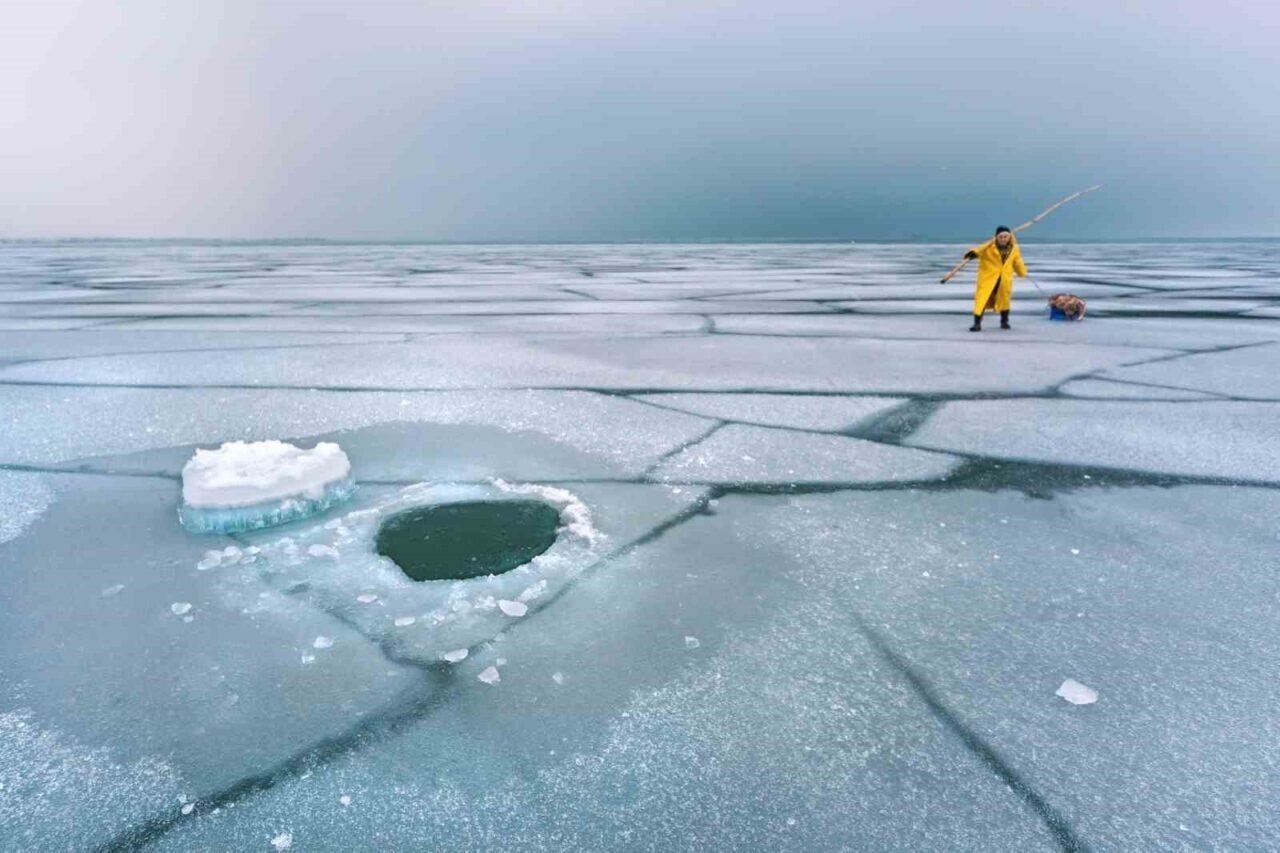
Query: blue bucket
{"type": "Point", "coordinates": [1057, 313]}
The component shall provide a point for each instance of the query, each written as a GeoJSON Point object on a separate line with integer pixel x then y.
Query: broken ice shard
{"type": "Point", "coordinates": [250, 485]}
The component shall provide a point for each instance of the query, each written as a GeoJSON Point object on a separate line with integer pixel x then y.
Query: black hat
{"type": "Point", "coordinates": [1002, 229]}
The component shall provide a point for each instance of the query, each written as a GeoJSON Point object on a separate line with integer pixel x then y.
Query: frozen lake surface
{"type": "Point", "coordinates": [828, 558]}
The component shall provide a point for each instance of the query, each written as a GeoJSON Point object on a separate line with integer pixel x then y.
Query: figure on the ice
{"type": "Point", "coordinates": [999, 260]}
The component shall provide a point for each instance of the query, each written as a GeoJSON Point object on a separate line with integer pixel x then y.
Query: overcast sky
{"type": "Point", "coordinates": [598, 120]}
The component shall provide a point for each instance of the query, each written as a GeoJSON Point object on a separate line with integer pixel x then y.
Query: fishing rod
{"type": "Point", "coordinates": [1032, 221]}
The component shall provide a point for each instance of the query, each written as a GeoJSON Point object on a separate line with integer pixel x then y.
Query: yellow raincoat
{"type": "Point", "coordinates": [995, 276]}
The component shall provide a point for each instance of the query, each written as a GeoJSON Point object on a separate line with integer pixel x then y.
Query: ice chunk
{"type": "Point", "coordinates": [250, 485]}
{"type": "Point", "coordinates": [366, 598]}
{"type": "Point", "coordinates": [1076, 693]}
{"type": "Point", "coordinates": [112, 591]}
{"type": "Point", "coordinates": [212, 559]}
{"type": "Point", "coordinates": [692, 642]}
{"type": "Point", "coordinates": [344, 800]}
{"type": "Point", "coordinates": [455, 656]}
{"type": "Point", "coordinates": [323, 551]}
{"type": "Point", "coordinates": [404, 621]}
{"type": "Point", "coordinates": [188, 808]}
{"type": "Point", "coordinates": [513, 608]}
{"type": "Point", "coordinates": [322, 643]}
{"type": "Point", "coordinates": [180, 608]}
{"type": "Point", "coordinates": [283, 841]}
{"type": "Point", "coordinates": [557, 677]}
{"type": "Point", "coordinates": [490, 675]}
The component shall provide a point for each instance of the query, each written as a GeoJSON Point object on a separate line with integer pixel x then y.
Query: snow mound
{"type": "Point", "coordinates": [250, 485]}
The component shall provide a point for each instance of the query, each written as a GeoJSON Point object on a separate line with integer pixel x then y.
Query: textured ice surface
{"type": "Point", "coordinates": [1198, 439]}
{"type": "Point", "coordinates": [800, 412]}
{"type": "Point", "coordinates": [995, 599]}
{"type": "Point", "coordinates": [1248, 372]}
{"type": "Point", "coordinates": [783, 730]}
{"type": "Point", "coordinates": [23, 497]}
{"type": "Point", "coordinates": [215, 688]}
{"type": "Point", "coordinates": [748, 454]}
{"type": "Point", "coordinates": [631, 363]}
{"type": "Point", "coordinates": [630, 435]}
{"type": "Point", "coordinates": [832, 638]}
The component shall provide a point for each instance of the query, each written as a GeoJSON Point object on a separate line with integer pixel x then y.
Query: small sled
{"type": "Point", "coordinates": [1066, 306]}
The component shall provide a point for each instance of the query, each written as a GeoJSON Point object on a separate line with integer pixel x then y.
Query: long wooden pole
{"type": "Point", "coordinates": [1032, 221]}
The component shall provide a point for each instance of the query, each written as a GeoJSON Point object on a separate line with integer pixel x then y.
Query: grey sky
{"type": "Point", "coordinates": [579, 120]}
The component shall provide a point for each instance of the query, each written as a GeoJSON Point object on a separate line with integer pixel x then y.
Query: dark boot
{"type": "Point", "coordinates": [1004, 320]}
{"type": "Point", "coordinates": [977, 323]}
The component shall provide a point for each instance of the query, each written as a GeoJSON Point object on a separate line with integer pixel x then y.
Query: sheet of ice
{"type": "Point", "coordinates": [1112, 390]}
{"type": "Point", "coordinates": [783, 731]}
{"type": "Point", "coordinates": [1152, 332]}
{"type": "Point", "coordinates": [825, 413]}
{"type": "Point", "coordinates": [211, 688]}
{"type": "Point", "coordinates": [1199, 439]}
{"type": "Point", "coordinates": [36, 345]}
{"type": "Point", "coordinates": [603, 324]}
{"type": "Point", "coordinates": [749, 454]}
{"type": "Point", "coordinates": [1250, 372]}
{"type": "Point", "coordinates": [1120, 589]}
{"type": "Point", "coordinates": [57, 792]}
{"type": "Point", "coordinates": [633, 363]}
{"type": "Point", "coordinates": [23, 498]}
{"type": "Point", "coordinates": [51, 425]}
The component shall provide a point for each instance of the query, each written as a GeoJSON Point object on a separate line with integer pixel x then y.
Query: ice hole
{"type": "Point", "coordinates": [466, 540]}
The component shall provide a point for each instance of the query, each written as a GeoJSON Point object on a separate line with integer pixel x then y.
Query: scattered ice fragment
{"type": "Point", "coordinates": [1076, 693]}
{"type": "Point", "coordinates": [513, 608]}
{"type": "Point", "coordinates": [323, 551]}
{"type": "Point", "coordinates": [692, 642]}
{"type": "Point", "coordinates": [212, 559]}
{"type": "Point", "coordinates": [500, 662]}
{"type": "Point", "coordinates": [188, 619]}
{"type": "Point", "coordinates": [111, 591]}
{"type": "Point", "coordinates": [306, 659]}
{"type": "Point", "coordinates": [402, 621]}
{"type": "Point", "coordinates": [322, 642]}
{"type": "Point", "coordinates": [180, 608]}
{"type": "Point", "coordinates": [490, 675]}
{"type": "Point", "coordinates": [283, 841]}
{"type": "Point", "coordinates": [344, 800]}
{"type": "Point", "coordinates": [366, 598]}
{"type": "Point", "coordinates": [455, 655]}
{"type": "Point", "coordinates": [557, 677]}
{"type": "Point", "coordinates": [791, 821]}
{"type": "Point", "coordinates": [188, 808]}
{"type": "Point", "coordinates": [924, 574]}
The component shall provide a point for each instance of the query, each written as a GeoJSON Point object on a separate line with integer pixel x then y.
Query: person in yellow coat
{"type": "Point", "coordinates": [999, 260]}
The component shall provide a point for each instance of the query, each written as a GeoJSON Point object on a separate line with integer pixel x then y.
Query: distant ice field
{"type": "Point", "coordinates": [825, 558]}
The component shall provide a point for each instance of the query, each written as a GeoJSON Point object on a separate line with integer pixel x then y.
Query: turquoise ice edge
{"type": "Point", "coordinates": [268, 514]}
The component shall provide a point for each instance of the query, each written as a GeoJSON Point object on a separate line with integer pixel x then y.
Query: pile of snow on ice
{"type": "Point", "coordinates": [247, 485]}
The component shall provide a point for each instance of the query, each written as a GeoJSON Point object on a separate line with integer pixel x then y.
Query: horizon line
{"type": "Point", "coordinates": [354, 241]}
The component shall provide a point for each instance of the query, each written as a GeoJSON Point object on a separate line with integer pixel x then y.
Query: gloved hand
{"type": "Point", "coordinates": [971, 255]}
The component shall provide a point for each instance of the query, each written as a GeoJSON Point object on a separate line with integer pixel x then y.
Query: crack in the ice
{"type": "Point", "coordinates": [1053, 820]}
